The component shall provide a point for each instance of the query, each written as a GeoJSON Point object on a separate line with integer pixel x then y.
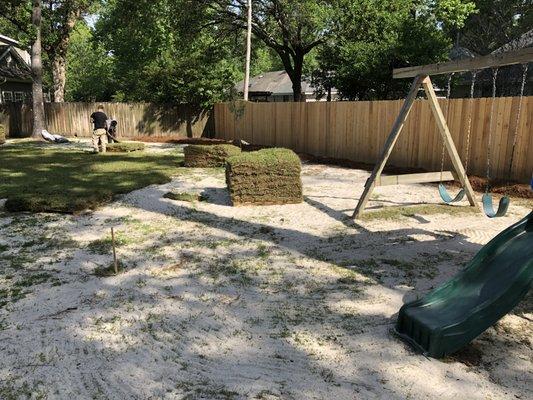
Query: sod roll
{"type": "Point", "coordinates": [265, 177]}
{"type": "Point", "coordinates": [125, 147]}
{"type": "Point", "coordinates": [2, 134]}
{"type": "Point", "coordinates": [209, 156]}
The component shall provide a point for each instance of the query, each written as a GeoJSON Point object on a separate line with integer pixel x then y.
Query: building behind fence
{"type": "Point", "coordinates": [357, 131]}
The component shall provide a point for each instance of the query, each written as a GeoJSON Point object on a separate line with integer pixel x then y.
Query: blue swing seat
{"type": "Point", "coordinates": [488, 206]}
{"type": "Point", "coordinates": [445, 196]}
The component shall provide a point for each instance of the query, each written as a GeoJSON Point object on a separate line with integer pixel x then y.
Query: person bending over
{"type": "Point", "coordinates": [99, 121]}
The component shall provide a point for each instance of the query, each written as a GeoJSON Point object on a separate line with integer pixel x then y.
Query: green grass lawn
{"type": "Point", "coordinates": [48, 178]}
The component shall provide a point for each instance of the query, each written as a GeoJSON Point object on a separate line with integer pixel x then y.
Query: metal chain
{"type": "Point", "coordinates": [489, 145]}
{"type": "Point", "coordinates": [518, 115]}
{"type": "Point", "coordinates": [469, 129]}
{"type": "Point", "coordinates": [446, 115]}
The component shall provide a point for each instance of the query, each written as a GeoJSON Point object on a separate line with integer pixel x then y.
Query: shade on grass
{"type": "Point", "coordinates": [40, 177]}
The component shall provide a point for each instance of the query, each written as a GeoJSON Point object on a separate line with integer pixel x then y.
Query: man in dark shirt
{"type": "Point", "coordinates": [99, 121]}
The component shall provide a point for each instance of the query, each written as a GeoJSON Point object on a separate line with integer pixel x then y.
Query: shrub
{"type": "Point", "coordinates": [270, 176]}
{"type": "Point", "coordinates": [125, 147]}
{"type": "Point", "coordinates": [199, 156]}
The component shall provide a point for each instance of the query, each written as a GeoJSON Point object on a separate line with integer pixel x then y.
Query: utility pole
{"type": "Point", "coordinates": [248, 52]}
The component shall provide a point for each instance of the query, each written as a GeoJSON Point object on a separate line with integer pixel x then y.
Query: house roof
{"type": "Point", "coordinates": [524, 41]}
{"type": "Point", "coordinates": [5, 40]}
{"type": "Point", "coordinates": [275, 83]}
{"type": "Point", "coordinates": [19, 70]}
{"type": "Point", "coordinates": [508, 76]}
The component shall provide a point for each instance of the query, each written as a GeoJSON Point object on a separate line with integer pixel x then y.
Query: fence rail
{"type": "Point", "coordinates": [135, 120]}
{"type": "Point", "coordinates": [357, 131]}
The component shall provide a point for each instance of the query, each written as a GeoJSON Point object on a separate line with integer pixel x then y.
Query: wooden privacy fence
{"type": "Point", "coordinates": [134, 120]}
{"type": "Point", "coordinates": [357, 131]}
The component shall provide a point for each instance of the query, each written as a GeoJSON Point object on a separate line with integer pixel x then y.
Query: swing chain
{"type": "Point", "coordinates": [518, 115]}
{"type": "Point", "coordinates": [489, 144]}
{"type": "Point", "coordinates": [469, 128]}
{"type": "Point", "coordinates": [446, 115]}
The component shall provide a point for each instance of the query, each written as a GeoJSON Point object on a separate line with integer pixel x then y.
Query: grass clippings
{"type": "Point", "coordinates": [206, 156]}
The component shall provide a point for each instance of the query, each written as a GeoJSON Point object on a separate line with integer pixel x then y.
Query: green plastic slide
{"type": "Point", "coordinates": [490, 286]}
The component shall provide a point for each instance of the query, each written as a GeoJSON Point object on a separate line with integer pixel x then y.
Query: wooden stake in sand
{"type": "Point", "coordinates": [114, 250]}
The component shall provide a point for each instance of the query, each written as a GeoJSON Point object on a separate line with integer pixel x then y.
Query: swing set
{"type": "Point", "coordinates": [422, 78]}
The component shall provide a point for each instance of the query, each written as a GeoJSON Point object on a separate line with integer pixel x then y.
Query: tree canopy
{"type": "Point", "coordinates": [192, 51]}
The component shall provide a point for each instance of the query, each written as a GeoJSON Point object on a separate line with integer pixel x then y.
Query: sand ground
{"type": "Point", "coordinates": [216, 302]}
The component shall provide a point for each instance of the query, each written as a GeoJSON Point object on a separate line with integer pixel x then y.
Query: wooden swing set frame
{"type": "Point", "coordinates": [422, 78]}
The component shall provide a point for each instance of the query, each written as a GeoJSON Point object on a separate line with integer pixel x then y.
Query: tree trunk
{"type": "Point", "coordinates": [296, 77]}
{"type": "Point", "coordinates": [37, 73]}
{"type": "Point", "coordinates": [59, 73]}
{"type": "Point", "coordinates": [248, 52]}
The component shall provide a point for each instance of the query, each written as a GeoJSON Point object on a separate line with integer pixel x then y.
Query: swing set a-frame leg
{"type": "Point", "coordinates": [395, 133]}
{"type": "Point", "coordinates": [448, 141]}
{"type": "Point", "coordinates": [389, 145]}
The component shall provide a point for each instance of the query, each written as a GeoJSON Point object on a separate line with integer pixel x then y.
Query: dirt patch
{"type": "Point", "coordinates": [521, 190]}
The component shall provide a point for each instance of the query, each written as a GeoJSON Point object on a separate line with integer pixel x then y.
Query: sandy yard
{"type": "Point", "coordinates": [280, 302]}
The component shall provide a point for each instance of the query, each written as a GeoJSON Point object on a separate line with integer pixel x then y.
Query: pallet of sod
{"type": "Point", "coordinates": [209, 156]}
{"type": "Point", "coordinates": [265, 177]}
{"type": "Point", "coordinates": [2, 134]}
{"type": "Point", "coordinates": [3, 128]}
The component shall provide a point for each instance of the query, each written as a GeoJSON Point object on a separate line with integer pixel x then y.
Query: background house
{"type": "Point", "coordinates": [15, 72]}
{"type": "Point", "coordinates": [509, 79]}
{"type": "Point", "coordinates": [276, 86]}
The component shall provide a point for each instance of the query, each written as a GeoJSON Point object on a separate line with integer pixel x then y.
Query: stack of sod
{"type": "Point", "coordinates": [264, 177]}
{"type": "Point", "coordinates": [2, 134]}
{"type": "Point", "coordinates": [198, 156]}
{"type": "Point", "coordinates": [125, 147]}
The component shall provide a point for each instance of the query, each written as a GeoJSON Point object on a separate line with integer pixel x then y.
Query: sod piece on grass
{"type": "Point", "coordinates": [125, 147]}
{"type": "Point", "coordinates": [264, 177]}
{"type": "Point", "coordinates": [183, 196]}
{"type": "Point", "coordinates": [199, 156]}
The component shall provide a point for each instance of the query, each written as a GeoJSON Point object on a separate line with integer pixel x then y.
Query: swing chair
{"type": "Point", "coordinates": [444, 195]}
{"type": "Point", "coordinates": [421, 76]}
{"type": "Point", "coordinates": [487, 199]}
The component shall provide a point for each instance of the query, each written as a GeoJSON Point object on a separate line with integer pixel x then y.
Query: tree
{"type": "Point", "coordinates": [292, 28]}
{"type": "Point", "coordinates": [496, 23]}
{"type": "Point", "coordinates": [60, 18]}
{"type": "Point", "coordinates": [90, 69]}
{"type": "Point", "coordinates": [161, 55]}
{"type": "Point", "coordinates": [26, 17]}
{"type": "Point", "coordinates": [373, 37]}
{"type": "Point", "coordinates": [37, 72]}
